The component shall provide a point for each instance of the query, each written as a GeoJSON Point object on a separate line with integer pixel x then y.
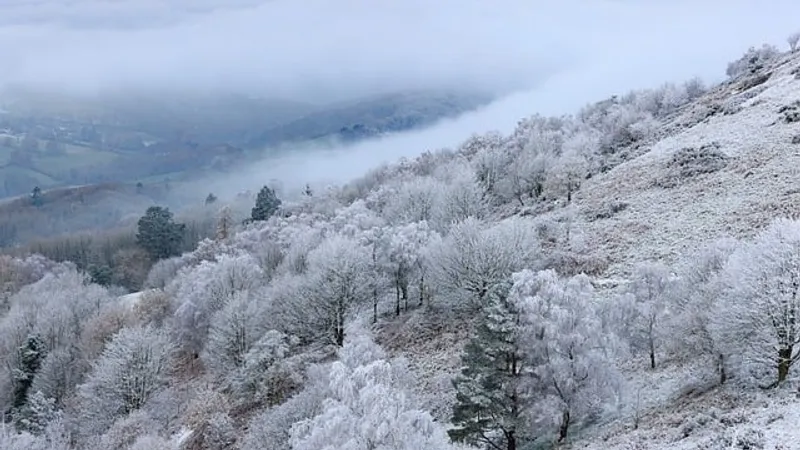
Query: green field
{"type": "Point", "coordinates": [75, 157]}
{"type": "Point", "coordinates": [17, 176]}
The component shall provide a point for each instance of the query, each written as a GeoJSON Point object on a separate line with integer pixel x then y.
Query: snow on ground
{"type": "Point", "coordinates": [760, 182]}
{"type": "Point", "coordinates": [718, 420]}
{"type": "Point", "coordinates": [131, 299]}
{"type": "Point", "coordinates": [181, 437]}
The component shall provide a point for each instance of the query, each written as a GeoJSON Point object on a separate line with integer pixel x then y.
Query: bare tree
{"type": "Point", "coordinates": [758, 316]}
{"type": "Point", "coordinates": [792, 40]}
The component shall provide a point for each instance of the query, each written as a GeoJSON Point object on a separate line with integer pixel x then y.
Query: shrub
{"type": "Point", "coordinates": [752, 61]}
{"type": "Point", "coordinates": [690, 162]}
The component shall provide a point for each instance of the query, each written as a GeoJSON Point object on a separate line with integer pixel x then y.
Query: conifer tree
{"type": "Point", "coordinates": [267, 203]}
{"type": "Point", "coordinates": [490, 396]}
{"type": "Point", "coordinates": [158, 234]}
{"type": "Point", "coordinates": [29, 357]}
{"type": "Point", "coordinates": [224, 223]}
{"type": "Point", "coordinates": [36, 196]}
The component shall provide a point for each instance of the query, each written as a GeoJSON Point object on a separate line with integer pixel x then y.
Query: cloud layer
{"type": "Point", "coordinates": [326, 49]}
{"type": "Point", "coordinates": [554, 56]}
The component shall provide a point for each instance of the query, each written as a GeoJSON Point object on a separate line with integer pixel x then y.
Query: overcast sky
{"type": "Point", "coordinates": [317, 49]}
{"type": "Point", "coordinates": [554, 55]}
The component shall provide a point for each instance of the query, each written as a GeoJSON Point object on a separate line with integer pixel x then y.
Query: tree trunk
{"type": "Point", "coordinates": [339, 330]}
{"type": "Point", "coordinates": [564, 428]}
{"type": "Point", "coordinates": [339, 336]}
{"type": "Point", "coordinates": [421, 291]}
{"type": "Point", "coordinates": [784, 362]}
{"type": "Point", "coordinates": [404, 293]}
{"type": "Point", "coordinates": [374, 289]}
{"type": "Point", "coordinates": [397, 298]}
{"type": "Point", "coordinates": [512, 441]}
{"type": "Point", "coordinates": [652, 353]}
{"type": "Point", "coordinates": [723, 376]}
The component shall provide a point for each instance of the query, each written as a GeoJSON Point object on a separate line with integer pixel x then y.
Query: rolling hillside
{"type": "Point", "coordinates": [55, 140]}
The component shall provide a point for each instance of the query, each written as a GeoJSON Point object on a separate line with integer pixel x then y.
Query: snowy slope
{"type": "Point", "coordinates": [761, 180]}
{"type": "Point", "coordinates": [668, 218]}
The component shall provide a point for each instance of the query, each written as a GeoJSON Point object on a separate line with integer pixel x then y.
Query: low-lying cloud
{"type": "Point", "coordinates": [321, 50]}
{"type": "Point", "coordinates": [549, 57]}
{"type": "Point", "coordinates": [315, 50]}
{"type": "Point", "coordinates": [628, 45]}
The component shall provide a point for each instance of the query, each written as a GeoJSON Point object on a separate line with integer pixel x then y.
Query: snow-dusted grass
{"type": "Point", "coordinates": [130, 300]}
{"type": "Point", "coordinates": [760, 182]}
{"type": "Point", "coordinates": [720, 419]}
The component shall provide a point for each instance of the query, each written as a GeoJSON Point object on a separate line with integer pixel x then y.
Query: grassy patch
{"type": "Point", "coordinates": [75, 157]}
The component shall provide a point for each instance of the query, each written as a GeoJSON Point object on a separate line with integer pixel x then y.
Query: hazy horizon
{"type": "Point", "coordinates": [548, 58]}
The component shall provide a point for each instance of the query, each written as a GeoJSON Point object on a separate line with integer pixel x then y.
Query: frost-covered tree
{"type": "Point", "coordinates": [124, 432]}
{"type": "Point", "coordinates": [45, 317]}
{"type": "Point", "coordinates": [758, 314]}
{"type": "Point", "coordinates": [267, 204]}
{"type": "Point", "coordinates": [526, 176]}
{"type": "Point", "coordinates": [460, 197]}
{"type": "Point", "coordinates": [490, 168]}
{"type": "Point", "coordinates": [224, 223]}
{"type": "Point", "coordinates": [402, 251]}
{"type": "Point", "coordinates": [60, 372]}
{"type": "Point", "coordinates": [368, 407]}
{"type": "Point", "coordinates": [572, 165]}
{"type": "Point", "coordinates": [793, 39]}
{"type": "Point", "coordinates": [492, 395]}
{"type": "Point", "coordinates": [472, 258]}
{"type": "Point", "coordinates": [338, 280]}
{"type": "Point", "coordinates": [151, 442]}
{"type": "Point", "coordinates": [698, 290]}
{"type": "Point", "coordinates": [38, 412]}
{"type": "Point", "coordinates": [647, 304]}
{"type": "Point", "coordinates": [203, 290]}
{"type": "Point", "coordinates": [752, 61]}
{"type": "Point", "coordinates": [271, 430]}
{"type": "Point", "coordinates": [54, 437]}
{"type": "Point", "coordinates": [269, 373]}
{"type": "Point", "coordinates": [414, 200]}
{"type": "Point", "coordinates": [137, 362]}
{"type": "Point", "coordinates": [29, 358]}
{"type": "Point", "coordinates": [231, 334]}
{"type": "Point", "coordinates": [375, 240]}
{"type": "Point", "coordinates": [565, 347]}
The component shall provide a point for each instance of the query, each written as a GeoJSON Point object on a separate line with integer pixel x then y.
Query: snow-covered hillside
{"type": "Point", "coordinates": [624, 278]}
{"type": "Point", "coordinates": [667, 214]}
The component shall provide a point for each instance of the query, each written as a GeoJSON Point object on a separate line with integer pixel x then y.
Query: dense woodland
{"type": "Point", "coordinates": [305, 327]}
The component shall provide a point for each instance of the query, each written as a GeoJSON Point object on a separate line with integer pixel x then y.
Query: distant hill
{"type": "Point", "coordinates": [372, 117]}
{"type": "Point", "coordinates": [54, 140]}
{"type": "Point", "coordinates": [75, 209]}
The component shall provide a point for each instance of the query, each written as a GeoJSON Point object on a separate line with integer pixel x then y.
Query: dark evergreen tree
{"type": "Point", "coordinates": [37, 413]}
{"type": "Point", "coordinates": [101, 274]}
{"type": "Point", "coordinates": [267, 204]}
{"type": "Point", "coordinates": [307, 191]}
{"type": "Point", "coordinates": [158, 234]}
{"type": "Point", "coordinates": [29, 359]}
{"type": "Point", "coordinates": [491, 398]}
{"type": "Point", "coordinates": [36, 196]}
{"type": "Point", "coordinates": [210, 199]}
